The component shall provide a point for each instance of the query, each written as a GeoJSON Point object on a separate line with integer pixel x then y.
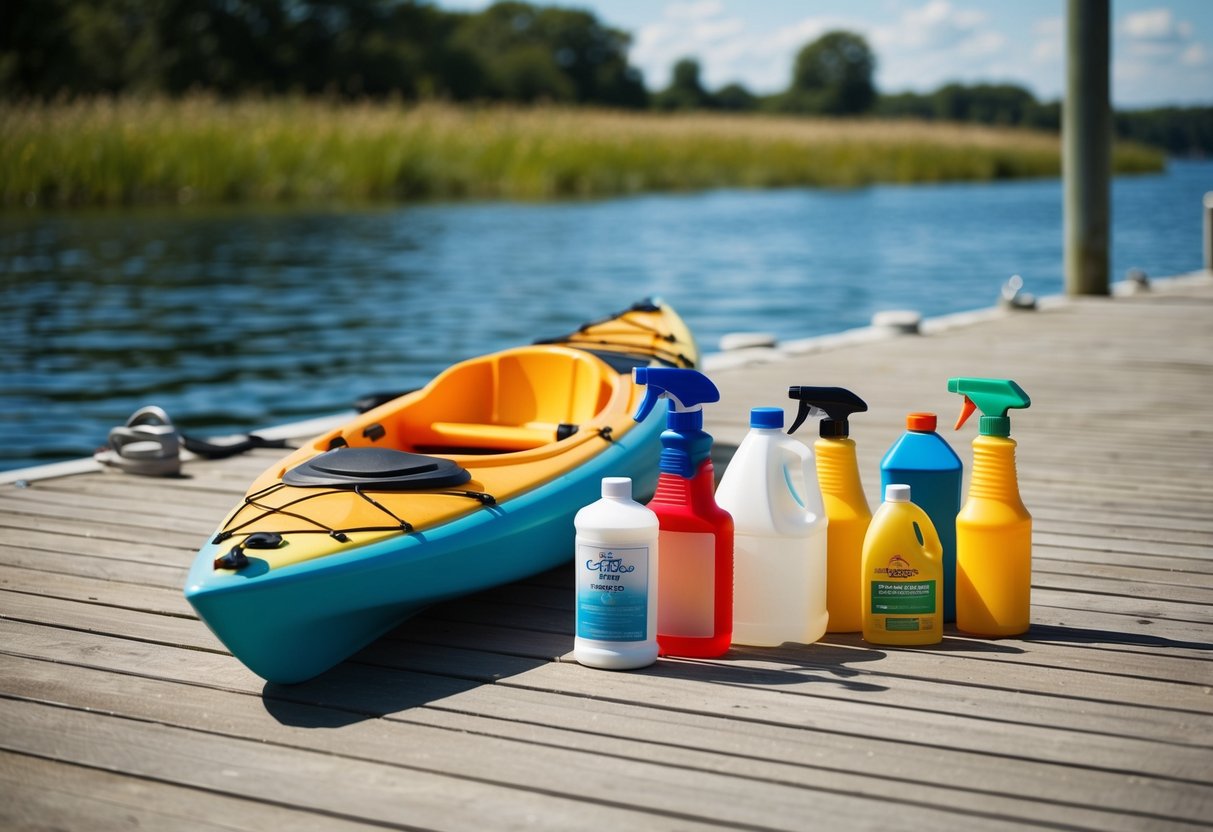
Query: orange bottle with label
{"type": "Point", "coordinates": [993, 529]}
{"type": "Point", "coordinates": [902, 574]}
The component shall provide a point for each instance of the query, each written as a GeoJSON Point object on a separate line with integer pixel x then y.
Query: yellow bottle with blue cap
{"type": "Point", "coordinates": [993, 529]}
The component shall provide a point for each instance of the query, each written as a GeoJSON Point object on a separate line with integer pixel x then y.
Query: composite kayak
{"type": "Point", "coordinates": [470, 482]}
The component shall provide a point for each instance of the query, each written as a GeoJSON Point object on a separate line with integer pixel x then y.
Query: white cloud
{"type": "Point", "coordinates": [936, 25]}
{"type": "Point", "coordinates": [800, 33]}
{"type": "Point", "coordinates": [982, 44]}
{"type": "Point", "coordinates": [694, 11]}
{"type": "Point", "coordinates": [684, 30]}
{"type": "Point", "coordinates": [1195, 55]}
{"type": "Point", "coordinates": [725, 45]}
{"type": "Point", "coordinates": [714, 31]}
{"type": "Point", "coordinates": [921, 44]}
{"type": "Point", "coordinates": [1154, 24]}
{"type": "Point", "coordinates": [1157, 36]}
{"type": "Point", "coordinates": [1048, 46]}
{"type": "Point", "coordinates": [932, 43]}
{"type": "Point", "coordinates": [1158, 59]}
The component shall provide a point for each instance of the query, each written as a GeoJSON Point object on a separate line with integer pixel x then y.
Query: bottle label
{"type": "Point", "coordinates": [612, 593]}
{"type": "Point", "coordinates": [913, 625]}
{"type": "Point", "coordinates": [903, 597]}
{"type": "Point", "coordinates": [686, 590]}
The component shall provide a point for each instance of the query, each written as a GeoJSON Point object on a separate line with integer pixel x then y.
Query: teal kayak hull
{"type": "Point", "coordinates": [293, 623]}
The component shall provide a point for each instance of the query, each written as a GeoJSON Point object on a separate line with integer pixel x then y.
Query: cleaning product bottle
{"type": "Point", "coordinates": [615, 561]}
{"type": "Point", "coordinates": [779, 543]}
{"type": "Point", "coordinates": [846, 506]}
{"type": "Point", "coordinates": [695, 575]}
{"type": "Point", "coordinates": [993, 529]}
{"type": "Point", "coordinates": [902, 573]}
{"type": "Point", "coordinates": [923, 460]}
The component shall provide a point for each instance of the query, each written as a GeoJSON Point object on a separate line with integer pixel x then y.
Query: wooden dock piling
{"type": "Point", "coordinates": [1087, 148]}
{"type": "Point", "coordinates": [1207, 235]}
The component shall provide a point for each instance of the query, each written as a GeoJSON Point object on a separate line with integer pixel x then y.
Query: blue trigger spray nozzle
{"type": "Point", "coordinates": [684, 443]}
{"type": "Point", "coordinates": [687, 390]}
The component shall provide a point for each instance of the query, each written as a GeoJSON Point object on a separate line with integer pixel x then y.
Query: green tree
{"type": "Point", "coordinates": [49, 47]}
{"type": "Point", "coordinates": [1043, 116]}
{"type": "Point", "coordinates": [1181, 131]}
{"type": "Point", "coordinates": [531, 52]}
{"type": "Point", "coordinates": [985, 103]}
{"type": "Point", "coordinates": [685, 91]}
{"type": "Point", "coordinates": [1002, 104]}
{"type": "Point", "coordinates": [833, 76]}
{"type": "Point", "coordinates": [735, 98]}
{"type": "Point", "coordinates": [906, 105]}
{"type": "Point", "coordinates": [354, 47]}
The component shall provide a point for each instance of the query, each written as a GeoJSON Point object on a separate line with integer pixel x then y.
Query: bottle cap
{"type": "Point", "coordinates": [767, 417]}
{"type": "Point", "coordinates": [921, 422]}
{"type": "Point", "coordinates": [619, 488]}
{"type": "Point", "coordinates": [897, 493]}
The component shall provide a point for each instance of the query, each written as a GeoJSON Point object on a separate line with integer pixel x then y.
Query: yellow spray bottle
{"type": "Point", "coordinates": [993, 529]}
{"type": "Point", "coordinates": [846, 507]}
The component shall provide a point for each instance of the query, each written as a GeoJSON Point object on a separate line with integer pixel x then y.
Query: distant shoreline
{"type": "Point", "coordinates": [203, 150]}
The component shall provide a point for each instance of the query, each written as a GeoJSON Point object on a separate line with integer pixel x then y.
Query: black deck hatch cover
{"type": "Point", "coordinates": [382, 468]}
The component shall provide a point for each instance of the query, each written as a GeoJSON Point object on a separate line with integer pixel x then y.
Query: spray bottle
{"type": "Point", "coordinates": [842, 494]}
{"type": "Point", "coordinates": [779, 542]}
{"type": "Point", "coordinates": [695, 571]}
{"type": "Point", "coordinates": [993, 529]}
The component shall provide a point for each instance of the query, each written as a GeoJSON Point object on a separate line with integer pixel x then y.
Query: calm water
{"type": "Point", "coordinates": [238, 320]}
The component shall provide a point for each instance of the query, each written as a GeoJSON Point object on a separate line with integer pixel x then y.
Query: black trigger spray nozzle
{"type": "Point", "coordinates": [835, 403]}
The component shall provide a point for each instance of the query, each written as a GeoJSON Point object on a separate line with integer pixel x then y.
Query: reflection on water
{"type": "Point", "coordinates": [238, 319]}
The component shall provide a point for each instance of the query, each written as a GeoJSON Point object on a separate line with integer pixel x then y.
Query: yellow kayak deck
{"type": "Point", "coordinates": [513, 419]}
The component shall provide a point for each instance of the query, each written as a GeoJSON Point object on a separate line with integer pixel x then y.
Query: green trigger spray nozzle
{"type": "Point", "coordinates": [994, 397]}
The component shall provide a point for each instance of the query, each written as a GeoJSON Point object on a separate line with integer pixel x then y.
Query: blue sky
{"type": "Point", "coordinates": [1162, 51]}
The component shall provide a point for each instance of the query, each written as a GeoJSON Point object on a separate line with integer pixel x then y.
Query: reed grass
{"type": "Point", "coordinates": [201, 149]}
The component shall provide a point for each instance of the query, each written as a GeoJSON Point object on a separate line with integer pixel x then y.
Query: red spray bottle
{"type": "Point", "coordinates": [695, 566]}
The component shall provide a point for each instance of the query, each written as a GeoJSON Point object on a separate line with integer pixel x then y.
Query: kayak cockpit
{"type": "Point", "coordinates": [515, 400]}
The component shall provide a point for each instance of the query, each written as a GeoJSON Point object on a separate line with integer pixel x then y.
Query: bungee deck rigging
{"type": "Point", "coordinates": [602, 336]}
{"type": "Point", "coordinates": [340, 535]}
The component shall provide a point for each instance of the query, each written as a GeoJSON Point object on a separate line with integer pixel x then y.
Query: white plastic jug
{"type": "Point", "coordinates": [779, 545]}
{"type": "Point", "coordinates": [616, 574]}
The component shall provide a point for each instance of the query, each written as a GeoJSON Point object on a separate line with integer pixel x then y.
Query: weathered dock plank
{"type": "Point", "coordinates": [118, 708]}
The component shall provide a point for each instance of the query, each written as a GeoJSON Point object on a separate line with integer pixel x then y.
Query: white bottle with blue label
{"type": "Point", "coordinates": [616, 573]}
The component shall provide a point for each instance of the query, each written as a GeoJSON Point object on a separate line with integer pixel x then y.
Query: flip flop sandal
{"type": "Point", "coordinates": [148, 444]}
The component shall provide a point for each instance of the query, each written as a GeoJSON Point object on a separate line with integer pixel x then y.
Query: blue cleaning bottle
{"type": "Point", "coordinates": [923, 460]}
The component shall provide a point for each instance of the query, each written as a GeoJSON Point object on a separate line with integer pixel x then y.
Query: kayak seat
{"type": "Point", "coordinates": [498, 437]}
{"type": "Point", "coordinates": [512, 401]}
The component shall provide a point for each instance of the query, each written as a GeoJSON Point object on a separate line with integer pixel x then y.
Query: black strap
{"type": "Point", "coordinates": [222, 450]}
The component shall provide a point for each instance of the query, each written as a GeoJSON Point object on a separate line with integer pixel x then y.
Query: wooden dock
{"type": "Point", "coordinates": [119, 709]}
